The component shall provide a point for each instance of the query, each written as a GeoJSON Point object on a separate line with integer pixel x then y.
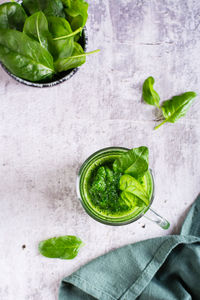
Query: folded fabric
{"type": "Point", "coordinates": [164, 268]}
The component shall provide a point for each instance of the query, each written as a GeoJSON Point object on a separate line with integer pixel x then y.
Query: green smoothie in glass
{"type": "Point", "coordinates": [115, 185]}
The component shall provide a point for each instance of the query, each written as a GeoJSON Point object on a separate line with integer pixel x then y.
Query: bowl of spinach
{"type": "Point", "coordinates": [43, 43]}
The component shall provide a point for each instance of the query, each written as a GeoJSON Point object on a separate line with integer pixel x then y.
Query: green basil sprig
{"type": "Point", "coordinates": [149, 95]}
{"type": "Point", "coordinates": [132, 165]}
{"type": "Point", "coordinates": [63, 247]}
{"type": "Point", "coordinates": [173, 109]}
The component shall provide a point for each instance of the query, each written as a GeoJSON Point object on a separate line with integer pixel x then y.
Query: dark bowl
{"type": "Point", "coordinates": [57, 79]}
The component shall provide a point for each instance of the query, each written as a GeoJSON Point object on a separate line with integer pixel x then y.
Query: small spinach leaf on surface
{"type": "Point", "coordinates": [63, 247]}
{"type": "Point", "coordinates": [77, 59]}
{"type": "Point", "coordinates": [25, 57]}
{"type": "Point", "coordinates": [36, 27]}
{"type": "Point", "coordinates": [49, 7]}
{"type": "Point", "coordinates": [177, 107]}
{"type": "Point", "coordinates": [76, 12]}
{"type": "Point", "coordinates": [12, 16]}
{"type": "Point", "coordinates": [131, 185]}
{"type": "Point", "coordinates": [133, 162]}
{"type": "Point", "coordinates": [149, 95]}
{"type": "Point", "coordinates": [63, 48]}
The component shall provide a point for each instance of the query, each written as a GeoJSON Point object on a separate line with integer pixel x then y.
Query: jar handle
{"type": "Point", "coordinates": [156, 218]}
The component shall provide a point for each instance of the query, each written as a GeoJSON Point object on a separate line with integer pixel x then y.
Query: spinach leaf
{"type": "Point", "coordinates": [36, 27]}
{"type": "Point", "coordinates": [131, 185]}
{"type": "Point", "coordinates": [133, 162]}
{"type": "Point", "coordinates": [76, 12]}
{"type": "Point", "coordinates": [64, 247]}
{"type": "Point", "coordinates": [25, 57]}
{"type": "Point", "coordinates": [133, 201]}
{"type": "Point", "coordinates": [77, 59]}
{"type": "Point", "coordinates": [176, 107]}
{"type": "Point", "coordinates": [60, 48]}
{"type": "Point", "coordinates": [49, 7]}
{"type": "Point", "coordinates": [149, 95]}
{"type": "Point", "coordinates": [12, 16]}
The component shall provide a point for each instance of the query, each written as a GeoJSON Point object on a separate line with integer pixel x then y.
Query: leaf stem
{"type": "Point", "coordinates": [160, 124]}
{"type": "Point", "coordinates": [69, 35]}
{"type": "Point", "coordinates": [85, 54]}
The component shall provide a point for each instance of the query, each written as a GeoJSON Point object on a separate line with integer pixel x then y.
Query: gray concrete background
{"type": "Point", "coordinates": [46, 134]}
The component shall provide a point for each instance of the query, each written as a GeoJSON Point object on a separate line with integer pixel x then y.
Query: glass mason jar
{"type": "Point", "coordinates": [84, 198]}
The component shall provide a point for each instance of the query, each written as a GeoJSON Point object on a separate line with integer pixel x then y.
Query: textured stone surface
{"type": "Point", "coordinates": [46, 134]}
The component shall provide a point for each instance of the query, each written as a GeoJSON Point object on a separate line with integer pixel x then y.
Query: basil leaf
{"type": "Point", "coordinates": [177, 107]}
{"type": "Point", "coordinates": [36, 27]}
{"type": "Point", "coordinates": [64, 247]}
{"type": "Point", "coordinates": [25, 57]}
{"type": "Point", "coordinates": [49, 7]}
{"type": "Point", "coordinates": [59, 27]}
{"type": "Point", "coordinates": [149, 95]}
{"type": "Point", "coordinates": [131, 185]}
{"type": "Point", "coordinates": [76, 12]}
{"type": "Point", "coordinates": [12, 16]}
{"type": "Point", "coordinates": [133, 162]}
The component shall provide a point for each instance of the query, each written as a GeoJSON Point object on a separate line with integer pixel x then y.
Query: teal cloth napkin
{"type": "Point", "coordinates": [164, 268]}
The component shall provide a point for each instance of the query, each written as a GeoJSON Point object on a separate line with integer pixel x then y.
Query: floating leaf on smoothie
{"type": "Point", "coordinates": [131, 185]}
{"type": "Point", "coordinates": [132, 200]}
{"type": "Point", "coordinates": [133, 162]}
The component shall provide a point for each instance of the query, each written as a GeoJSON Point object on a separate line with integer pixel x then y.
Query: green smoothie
{"type": "Point", "coordinates": [101, 188]}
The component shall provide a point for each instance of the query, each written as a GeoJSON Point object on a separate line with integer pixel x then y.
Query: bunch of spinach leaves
{"type": "Point", "coordinates": [173, 109]}
{"type": "Point", "coordinates": [40, 39]}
